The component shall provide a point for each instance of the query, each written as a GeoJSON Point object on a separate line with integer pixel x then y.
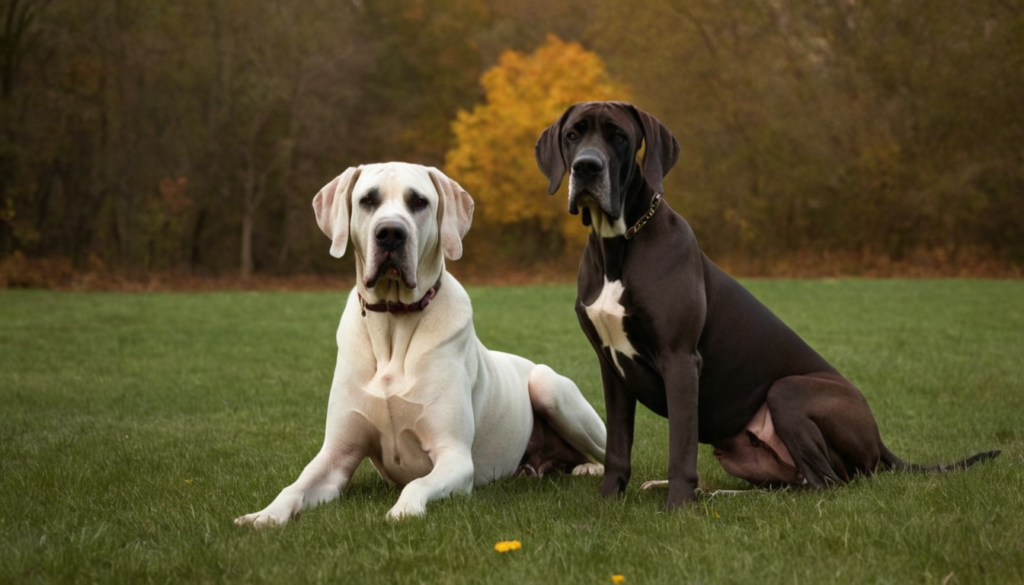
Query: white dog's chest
{"type": "Point", "coordinates": [397, 417]}
{"type": "Point", "coordinates": [607, 315]}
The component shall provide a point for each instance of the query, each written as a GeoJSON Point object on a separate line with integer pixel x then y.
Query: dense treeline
{"type": "Point", "coordinates": [191, 135]}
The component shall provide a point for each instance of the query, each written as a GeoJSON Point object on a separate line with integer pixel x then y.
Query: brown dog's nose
{"type": "Point", "coordinates": [391, 237]}
{"type": "Point", "coordinates": [587, 164]}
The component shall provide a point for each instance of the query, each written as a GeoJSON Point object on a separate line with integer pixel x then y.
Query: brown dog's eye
{"type": "Point", "coordinates": [571, 136]}
{"type": "Point", "coordinates": [620, 138]}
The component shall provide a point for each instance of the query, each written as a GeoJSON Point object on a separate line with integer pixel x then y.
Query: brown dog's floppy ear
{"type": "Point", "coordinates": [661, 151]}
{"type": "Point", "coordinates": [456, 209]}
{"type": "Point", "coordinates": [333, 205]}
{"type": "Point", "coordinates": [548, 152]}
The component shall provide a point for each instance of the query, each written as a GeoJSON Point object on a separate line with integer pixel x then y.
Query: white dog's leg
{"type": "Point", "coordinates": [563, 405]}
{"type": "Point", "coordinates": [325, 477]}
{"type": "Point", "coordinates": [321, 481]}
{"type": "Point", "coordinates": [452, 473]}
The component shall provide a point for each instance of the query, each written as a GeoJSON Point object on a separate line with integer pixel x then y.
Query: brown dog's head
{"type": "Point", "coordinates": [597, 142]}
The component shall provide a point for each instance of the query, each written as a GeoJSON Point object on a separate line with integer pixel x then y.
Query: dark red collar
{"type": "Point", "coordinates": [396, 308]}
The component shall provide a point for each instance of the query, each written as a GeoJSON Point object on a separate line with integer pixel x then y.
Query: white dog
{"type": "Point", "coordinates": [414, 389]}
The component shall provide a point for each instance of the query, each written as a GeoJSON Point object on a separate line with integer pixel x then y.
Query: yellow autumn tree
{"type": "Point", "coordinates": [493, 156]}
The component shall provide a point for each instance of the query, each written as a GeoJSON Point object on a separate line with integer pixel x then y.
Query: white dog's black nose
{"type": "Point", "coordinates": [391, 236]}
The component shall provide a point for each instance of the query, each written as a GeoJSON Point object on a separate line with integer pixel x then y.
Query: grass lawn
{"type": "Point", "coordinates": [135, 427]}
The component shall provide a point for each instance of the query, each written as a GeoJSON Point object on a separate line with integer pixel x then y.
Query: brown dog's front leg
{"type": "Point", "coordinates": [620, 412]}
{"type": "Point", "coordinates": [681, 386]}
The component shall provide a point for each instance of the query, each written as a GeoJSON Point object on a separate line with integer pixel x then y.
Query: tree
{"type": "Point", "coordinates": [809, 127]}
{"type": "Point", "coordinates": [493, 156]}
{"type": "Point", "coordinates": [190, 135]}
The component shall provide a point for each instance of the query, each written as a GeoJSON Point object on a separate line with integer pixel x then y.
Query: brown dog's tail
{"type": "Point", "coordinates": [893, 462]}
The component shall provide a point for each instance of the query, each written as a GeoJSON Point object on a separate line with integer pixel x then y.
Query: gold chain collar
{"type": "Point", "coordinates": [655, 203]}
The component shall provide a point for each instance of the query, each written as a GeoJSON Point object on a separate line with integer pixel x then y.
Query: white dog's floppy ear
{"type": "Point", "coordinates": [333, 205]}
{"type": "Point", "coordinates": [456, 207]}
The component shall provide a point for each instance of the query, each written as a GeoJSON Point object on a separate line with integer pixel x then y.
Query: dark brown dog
{"type": "Point", "coordinates": [677, 334]}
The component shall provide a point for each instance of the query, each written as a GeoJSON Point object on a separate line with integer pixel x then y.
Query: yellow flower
{"type": "Point", "coordinates": [188, 482]}
{"type": "Point", "coordinates": [618, 579]}
{"type": "Point", "coordinates": [507, 545]}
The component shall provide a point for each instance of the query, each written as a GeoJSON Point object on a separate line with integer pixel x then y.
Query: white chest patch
{"type": "Point", "coordinates": [606, 313]}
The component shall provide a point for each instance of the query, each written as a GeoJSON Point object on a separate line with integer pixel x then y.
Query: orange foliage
{"type": "Point", "coordinates": [493, 157]}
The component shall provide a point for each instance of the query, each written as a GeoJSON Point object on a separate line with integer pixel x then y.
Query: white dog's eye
{"type": "Point", "coordinates": [418, 202]}
{"type": "Point", "coordinates": [370, 199]}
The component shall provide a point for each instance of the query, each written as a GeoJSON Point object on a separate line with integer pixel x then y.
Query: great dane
{"type": "Point", "coordinates": [677, 334]}
{"type": "Point", "coordinates": [414, 389]}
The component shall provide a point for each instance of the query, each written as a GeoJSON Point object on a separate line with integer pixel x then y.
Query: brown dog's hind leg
{"type": "Point", "coordinates": [547, 451]}
{"type": "Point", "coordinates": [568, 434]}
{"type": "Point", "coordinates": [826, 424]}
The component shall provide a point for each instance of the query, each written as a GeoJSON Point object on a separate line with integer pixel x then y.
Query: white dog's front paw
{"type": "Point", "coordinates": [588, 469]}
{"type": "Point", "coordinates": [260, 520]}
{"type": "Point", "coordinates": [406, 510]}
{"type": "Point", "coordinates": [650, 485]}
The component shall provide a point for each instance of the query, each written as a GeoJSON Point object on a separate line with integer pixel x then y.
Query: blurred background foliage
{"type": "Point", "coordinates": [189, 137]}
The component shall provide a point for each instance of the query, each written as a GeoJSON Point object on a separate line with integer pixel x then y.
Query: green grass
{"type": "Point", "coordinates": [135, 427]}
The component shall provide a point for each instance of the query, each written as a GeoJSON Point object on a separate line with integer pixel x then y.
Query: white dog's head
{"type": "Point", "coordinates": [403, 220]}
